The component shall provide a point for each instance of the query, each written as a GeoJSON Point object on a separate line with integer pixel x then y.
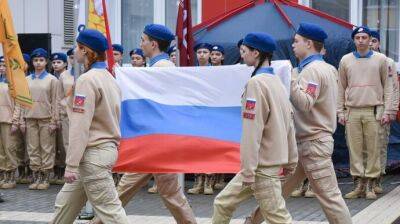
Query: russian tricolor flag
{"type": "Point", "coordinates": [181, 119]}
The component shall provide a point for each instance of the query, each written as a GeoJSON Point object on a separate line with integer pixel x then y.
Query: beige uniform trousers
{"type": "Point", "coordinates": [383, 132]}
{"type": "Point", "coordinates": [62, 141]}
{"type": "Point", "coordinates": [266, 190]}
{"type": "Point", "coordinates": [168, 188]}
{"type": "Point", "coordinates": [8, 148]}
{"type": "Point", "coordinates": [40, 144]}
{"type": "Point", "coordinates": [22, 153]}
{"type": "Point", "coordinates": [315, 164]}
{"type": "Point", "coordinates": [362, 136]}
{"type": "Point", "coordinates": [95, 184]}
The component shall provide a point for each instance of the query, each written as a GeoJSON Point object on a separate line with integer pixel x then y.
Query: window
{"type": "Point", "coordinates": [69, 27]}
{"type": "Point", "coordinates": [171, 13]}
{"type": "Point", "coordinates": [135, 15]}
{"type": "Point", "coordinates": [383, 15]}
{"type": "Point", "coordinates": [336, 8]}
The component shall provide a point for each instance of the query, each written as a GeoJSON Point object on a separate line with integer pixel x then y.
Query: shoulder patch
{"type": "Point", "coordinates": [311, 88]}
{"type": "Point", "coordinates": [250, 104]}
{"type": "Point", "coordinates": [79, 103]}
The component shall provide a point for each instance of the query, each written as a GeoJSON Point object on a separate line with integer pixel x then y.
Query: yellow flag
{"type": "Point", "coordinates": [15, 63]}
{"type": "Point", "coordinates": [96, 17]}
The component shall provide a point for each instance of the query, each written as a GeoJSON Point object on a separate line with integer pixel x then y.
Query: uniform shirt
{"type": "Point", "coordinates": [95, 113]}
{"type": "Point", "coordinates": [314, 94]}
{"type": "Point", "coordinates": [9, 112]}
{"type": "Point", "coordinates": [66, 82]}
{"type": "Point", "coordinates": [268, 136]}
{"type": "Point", "coordinates": [44, 91]}
{"type": "Point", "coordinates": [394, 85]}
{"type": "Point", "coordinates": [363, 82]}
{"type": "Point", "coordinates": [161, 60]}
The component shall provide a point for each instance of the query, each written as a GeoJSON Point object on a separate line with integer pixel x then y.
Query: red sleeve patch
{"type": "Point", "coordinates": [250, 104]}
{"type": "Point", "coordinates": [311, 88]}
{"type": "Point", "coordinates": [79, 103]}
{"type": "Point", "coordinates": [250, 116]}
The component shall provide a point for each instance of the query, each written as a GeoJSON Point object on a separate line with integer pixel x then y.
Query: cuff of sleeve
{"type": "Point", "coordinates": [73, 169]}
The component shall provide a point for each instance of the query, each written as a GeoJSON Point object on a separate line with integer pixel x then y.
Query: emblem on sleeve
{"type": "Point", "coordinates": [250, 104]}
{"type": "Point", "coordinates": [79, 103]}
{"type": "Point", "coordinates": [311, 88]}
{"type": "Point", "coordinates": [250, 116]}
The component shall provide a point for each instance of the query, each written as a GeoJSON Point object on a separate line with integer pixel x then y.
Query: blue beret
{"type": "Point", "coordinates": [218, 48]}
{"type": "Point", "coordinates": [2, 59]}
{"type": "Point", "coordinates": [39, 52]}
{"type": "Point", "coordinates": [375, 34]}
{"type": "Point", "coordinates": [58, 56]}
{"type": "Point", "coordinates": [27, 58]}
{"type": "Point", "coordinates": [171, 50]}
{"type": "Point", "coordinates": [93, 39]}
{"type": "Point", "coordinates": [118, 47]}
{"type": "Point", "coordinates": [360, 29]}
{"type": "Point", "coordinates": [260, 41]}
{"type": "Point", "coordinates": [70, 52]}
{"type": "Point", "coordinates": [202, 46]}
{"type": "Point", "coordinates": [312, 31]}
{"type": "Point", "coordinates": [137, 51]}
{"type": "Point", "coordinates": [239, 43]}
{"type": "Point", "coordinates": [159, 32]}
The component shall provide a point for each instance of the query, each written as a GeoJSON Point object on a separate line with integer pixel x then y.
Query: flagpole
{"type": "Point", "coordinates": [110, 56]}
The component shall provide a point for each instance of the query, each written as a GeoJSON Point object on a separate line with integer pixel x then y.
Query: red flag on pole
{"type": "Point", "coordinates": [184, 33]}
{"type": "Point", "coordinates": [110, 55]}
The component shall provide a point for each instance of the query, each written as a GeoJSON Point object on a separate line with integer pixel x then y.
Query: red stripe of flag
{"type": "Point", "coordinates": [184, 33]}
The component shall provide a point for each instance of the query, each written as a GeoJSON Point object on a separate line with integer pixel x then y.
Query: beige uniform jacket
{"type": "Point", "coordinates": [363, 82]}
{"type": "Point", "coordinates": [44, 91]}
{"type": "Point", "coordinates": [314, 95]}
{"type": "Point", "coordinates": [268, 136]}
{"type": "Point", "coordinates": [94, 116]}
{"type": "Point", "coordinates": [66, 81]}
{"type": "Point", "coordinates": [9, 111]}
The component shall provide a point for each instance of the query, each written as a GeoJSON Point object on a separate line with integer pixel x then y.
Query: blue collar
{"type": "Point", "coordinates": [368, 55]}
{"type": "Point", "coordinates": [3, 78]}
{"type": "Point", "coordinates": [99, 64]}
{"type": "Point", "coordinates": [308, 60]}
{"type": "Point", "coordinates": [263, 70]}
{"type": "Point", "coordinates": [41, 76]}
{"type": "Point", "coordinates": [162, 56]}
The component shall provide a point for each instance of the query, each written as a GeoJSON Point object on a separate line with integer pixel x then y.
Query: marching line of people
{"type": "Point", "coordinates": [72, 131]}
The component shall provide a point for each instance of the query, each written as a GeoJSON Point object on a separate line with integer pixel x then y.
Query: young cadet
{"type": "Point", "coordinates": [172, 54]}
{"type": "Point", "coordinates": [59, 64]}
{"type": "Point", "coordinates": [384, 130]}
{"type": "Point", "coordinates": [118, 52]}
{"type": "Point", "coordinates": [363, 105]}
{"type": "Point", "coordinates": [66, 81]}
{"type": "Point", "coordinates": [137, 58]}
{"type": "Point", "coordinates": [24, 172]}
{"type": "Point", "coordinates": [204, 183]}
{"type": "Point", "coordinates": [94, 119]}
{"type": "Point", "coordinates": [314, 94]}
{"type": "Point", "coordinates": [217, 55]}
{"type": "Point", "coordinates": [268, 144]}
{"type": "Point", "coordinates": [41, 121]}
{"type": "Point", "coordinates": [9, 122]}
{"type": "Point", "coordinates": [155, 42]}
{"type": "Point", "coordinates": [203, 51]}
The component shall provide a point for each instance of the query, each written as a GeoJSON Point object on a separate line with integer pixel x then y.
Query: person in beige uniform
{"type": "Point", "coordinates": [155, 42]}
{"type": "Point", "coordinates": [59, 65]}
{"type": "Point", "coordinates": [93, 139]}
{"type": "Point", "coordinates": [384, 130]}
{"type": "Point", "coordinates": [66, 81]}
{"type": "Point", "coordinates": [314, 94]}
{"type": "Point", "coordinates": [363, 105]}
{"type": "Point", "coordinates": [204, 182]}
{"type": "Point", "coordinates": [41, 121]}
{"type": "Point", "coordinates": [24, 172]}
{"type": "Point", "coordinates": [9, 121]}
{"type": "Point", "coordinates": [268, 145]}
